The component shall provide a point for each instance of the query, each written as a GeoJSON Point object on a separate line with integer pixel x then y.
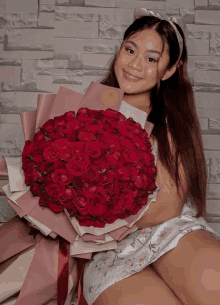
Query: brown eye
{"type": "Point", "coordinates": [128, 49]}
{"type": "Point", "coordinates": [153, 59]}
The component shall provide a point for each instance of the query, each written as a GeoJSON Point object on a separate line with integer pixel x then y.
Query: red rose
{"type": "Point", "coordinates": [70, 136]}
{"type": "Point", "coordinates": [78, 182]}
{"type": "Point", "coordinates": [139, 182]}
{"type": "Point", "coordinates": [104, 147]}
{"type": "Point", "coordinates": [65, 154]}
{"type": "Point", "coordinates": [59, 121]}
{"type": "Point", "coordinates": [39, 136]}
{"type": "Point", "coordinates": [60, 144]}
{"type": "Point", "coordinates": [147, 158]}
{"type": "Point", "coordinates": [134, 209]}
{"type": "Point", "coordinates": [86, 119]}
{"type": "Point", "coordinates": [106, 178]}
{"type": "Point", "coordinates": [44, 144]}
{"type": "Point", "coordinates": [29, 149]}
{"type": "Point", "coordinates": [62, 177]}
{"type": "Point", "coordinates": [59, 165]}
{"type": "Point", "coordinates": [81, 202]}
{"type": "Point", "coordinates": [101, 165]}
{"type": "Point", "coordinates": [143, 201]}
{"type": "Point", "coordinates": [50, 154]}
{"type": "Point", "coordinates": [128, 124]}
{"type": "Point", "coordinates": [124, 132]}
{"type": "Point", "coordinates": [137, 193]}
{"type": "Point", "coordinates": [96, 114]}
{"type": "Point", "coordinates": [42, 166]}
{"type": "Point", "coordinates": [60, 133]}
{"type": "Point", "coordinates": [92, 174]}
{"type": "Point", "coordinates": [108, 217]}
{"type": "Point", "coordinates": [97, 205]}
{"type": "Point", "coordinates": [96, 127]}
{"type": "Point", "coordinates": [81, 158]}
{"type": "Point", "coordinates": [35, 189]}
{"type": "Point", "coordinates": [55, 190]}
{"type": "Point", "coordinates": [77, 146]}
{"type": "Point", "coordinates": [73, 125]}
{"type": "Point", "coordinates": [72, 210]}
{"type": "Point", "coordinates": [49, 168]}
{"type": "Point", "coordinates": [82, 112]}
{"type": "Point", "coordinates": [87, 221]}
{"type": "Point", "coordinates": [92, 149]}
{"type": "Point", "coordinates": [91, 190]}
{"type": "Point", "coordinates": [128, 199]}
{"type": "Point", "coordinates": [69, 193]}
{"type": "Point", "coordinates": [35, 176]}
{"type": "Point", "coordinates": [108, 127]}
{"type": "Point", "coordinates": [152, 186]}
{"type": "Point", "coordinates": [27, 163]}
{"type": "Point", "coordinates": [131, 156]}
{"type": "Point", "coordinates": [77, 169]}
{"type": "Point", "coordinates": [86, 136]}
{"type": "Point", "coordinates": [122, 173]}
{"type": "Point", "coordinates": [117, 205]}
{"type": "Point", "coordinates": [48, 180]}
{"type": "Point", "coordinates": [48, 126]}
{"type": "Point", "coordinates": [138, 142]}
{"type": "Point", "coordinates": [69, 115]}
{"type": "Point", "coordinates": [38, 159]}
{"type": "Point", "coordinates": [111, 113]}
{"type": "Point", "coordinates": [44, 200]}
{"type": "Point", "coordinates": [55, 206]}
{"type": "Point", "coordinates": [113, 145]}
{"type": "Point", "coordinates": [27, 177]}
{"type": "Point", "coordinates": [112, 160]}
{"type": "Point", "coordinates": [133, 173]}
{"type": "Point", "coordinates": [152, 170]}
{"type": "Point", "coordinates": [108, 135]}
{"type": "Point", "coordinates": [127, 143]}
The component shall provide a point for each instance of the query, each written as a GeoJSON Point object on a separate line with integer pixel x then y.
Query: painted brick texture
{"type": "Point", "coordinates": [48, 43]}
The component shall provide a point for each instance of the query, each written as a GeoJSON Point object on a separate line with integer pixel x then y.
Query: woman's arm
{"type": "Point", "coordinates": [168, 203]}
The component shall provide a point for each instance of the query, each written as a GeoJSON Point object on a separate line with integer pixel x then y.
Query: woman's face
{"type": "Point", "coordinates": [140, 57]}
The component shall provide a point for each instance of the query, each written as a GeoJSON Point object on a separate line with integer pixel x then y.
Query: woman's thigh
{"type": "Point", "coordinates": [142, 288]}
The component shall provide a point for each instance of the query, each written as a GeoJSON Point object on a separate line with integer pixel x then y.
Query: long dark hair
{"type": "Point", "coordinates": [173, 109]}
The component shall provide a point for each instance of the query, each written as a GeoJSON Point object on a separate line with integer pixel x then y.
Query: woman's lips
{"type": "Point", "coordinates": [130, 79]}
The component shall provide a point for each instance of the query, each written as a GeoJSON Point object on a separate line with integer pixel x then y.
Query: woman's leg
{"type": "Point", "coordinates": [142, 288]}
{"type": "Point", "coordinates": [192, 268]}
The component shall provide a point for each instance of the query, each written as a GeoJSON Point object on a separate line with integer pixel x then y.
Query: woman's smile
{"type": "Point", "coordinates": [131, 78]}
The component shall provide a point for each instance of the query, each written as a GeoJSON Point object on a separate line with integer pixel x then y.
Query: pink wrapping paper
{"type": "Point", "coordinates": [42, 279]}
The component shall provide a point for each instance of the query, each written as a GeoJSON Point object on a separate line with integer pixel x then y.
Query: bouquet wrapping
{"type": "Point", "coordinates": [56, 170]}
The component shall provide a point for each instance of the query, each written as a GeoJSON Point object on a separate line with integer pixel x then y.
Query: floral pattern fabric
{"type": "Point", "coordinates": [138, 250]}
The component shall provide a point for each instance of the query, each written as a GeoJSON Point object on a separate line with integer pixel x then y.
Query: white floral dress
{"type": "Point", "coordinates": [138, 250]}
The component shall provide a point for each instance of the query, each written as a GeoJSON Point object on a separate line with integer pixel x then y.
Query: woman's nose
{"type": "Point", "coordinates": [136, 63]}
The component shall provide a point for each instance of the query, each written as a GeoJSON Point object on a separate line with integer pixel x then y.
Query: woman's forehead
{"type": "Point", "coordinates": [149, 36]}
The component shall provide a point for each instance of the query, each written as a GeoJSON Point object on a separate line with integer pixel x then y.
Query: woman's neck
{"type": "Point", "coordinates": [139, 101]}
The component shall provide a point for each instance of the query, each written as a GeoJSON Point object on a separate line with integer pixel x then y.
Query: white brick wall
{"type": "Point", "coordinates": [48, 43]}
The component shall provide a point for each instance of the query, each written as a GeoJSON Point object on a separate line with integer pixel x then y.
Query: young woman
{"type": "Point", "coordinates": [174, 256]}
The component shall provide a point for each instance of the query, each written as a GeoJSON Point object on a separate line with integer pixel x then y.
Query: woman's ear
{"type": "Point", "coordinates": [169, 72]}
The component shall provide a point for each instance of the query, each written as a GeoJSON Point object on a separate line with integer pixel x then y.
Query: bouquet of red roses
{"type": "Point", "coordinates": [86, 175]}
{"type": "Point", "coordinates": [97, 164]}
